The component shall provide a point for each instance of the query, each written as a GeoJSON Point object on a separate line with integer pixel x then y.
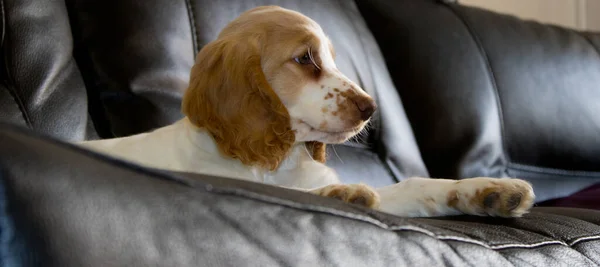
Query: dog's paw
{"type": "Point", "coordinates": [492, 196]}
{"type": "Point", "coordinates": [351, 193]}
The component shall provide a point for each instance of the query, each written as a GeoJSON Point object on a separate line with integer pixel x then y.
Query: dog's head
{"type": "Point", "coordinates": [270, 80]}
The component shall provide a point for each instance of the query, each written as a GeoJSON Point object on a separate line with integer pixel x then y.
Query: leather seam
{"type": "Point", "coordinates": [493, 79]}
{"type": "Point", "coordinates": [584, 239]}
{"type": "Point", "coordinates": [13, 93]}
{"type": "Point", "coordinates": [477, 242]}
{"type": "Point", "coordinates": [192, 20]}
{"type": "Point", "coordinates": [560, 172]}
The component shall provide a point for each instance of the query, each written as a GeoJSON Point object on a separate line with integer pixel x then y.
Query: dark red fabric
{"type": "Point", "coordinates": [588, 198]}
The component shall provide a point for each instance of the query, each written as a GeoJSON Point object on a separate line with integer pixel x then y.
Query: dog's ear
{"type": "Point", "coordinates": [317, 150]}
{"type": "Point", "coordinates": [229, 97]}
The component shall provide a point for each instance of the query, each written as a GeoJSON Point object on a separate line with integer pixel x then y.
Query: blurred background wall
{"type": "Point", "coordinates": [577, 14]}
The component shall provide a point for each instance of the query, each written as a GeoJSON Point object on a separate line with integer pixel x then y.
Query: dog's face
{"type": "Point", "coordinates": [298, 62]}
{"type": "Point", "coordinates": [270, 80]}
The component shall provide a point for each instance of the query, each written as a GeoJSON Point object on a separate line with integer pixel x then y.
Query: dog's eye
{"type": "Point", "coordinates": [304, 59]}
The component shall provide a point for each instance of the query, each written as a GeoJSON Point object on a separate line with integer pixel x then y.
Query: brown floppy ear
{"type": "Point", "coordinates": [229, 97]}
{"type": "Point", "coordinates": [317, 151]}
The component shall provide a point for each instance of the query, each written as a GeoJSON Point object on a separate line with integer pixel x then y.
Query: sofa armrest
{"type": "Point", "coordinates": [65, 206]}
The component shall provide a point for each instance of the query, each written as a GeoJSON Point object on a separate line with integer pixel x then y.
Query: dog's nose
{"type": "Point", "coordinates": [366, 106]}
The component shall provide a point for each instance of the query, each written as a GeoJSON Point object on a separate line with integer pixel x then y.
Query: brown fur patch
{"type": "Point", "coordinates": [479, 199]}
{"type": "Point", "coordinates": [339, 193]}
{"type": "Point", "coordinates": [318, 151]}
{"type": "Point", "coordinates": [328, 96]}
{"type": "Point", "coordinates": [346, 105]}
{"type": "Point", "coordinates": [323, 125]}
{"type": "Point", "coordinates": [452, 199]}
{"type": "Point", "coordinates": [251, 124]}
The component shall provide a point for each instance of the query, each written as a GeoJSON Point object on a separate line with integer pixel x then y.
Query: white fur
{"type": "Point", "coordinates": [184, 147]}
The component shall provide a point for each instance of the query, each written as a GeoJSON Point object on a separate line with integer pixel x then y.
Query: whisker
{"type": "Point", "coordinates": [310, 55]}
{"type": "Point", "coordinates": [336, 154]}
{"type": "Point", "coordinates": [308, 152]}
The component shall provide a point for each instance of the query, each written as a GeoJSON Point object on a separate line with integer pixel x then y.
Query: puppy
{"type": "Point", "coordinates": [263, 100]}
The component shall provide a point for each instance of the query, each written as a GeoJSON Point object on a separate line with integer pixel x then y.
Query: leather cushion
{"type": "Point", "coordinates": [493, 95]}
{"type": "Point", "coordinates": [41, 86]}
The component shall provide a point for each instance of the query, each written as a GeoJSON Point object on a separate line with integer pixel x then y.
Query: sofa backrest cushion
{"type": "Point", "coordinates": [40, 84]}
{"type": "Point", "coordinates": [493, 95]}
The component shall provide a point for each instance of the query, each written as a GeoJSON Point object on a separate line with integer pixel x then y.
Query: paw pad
{"type": "Point", "coordinates": [509, 198]}
{"type": "Point", "coordinates": [358, 194]}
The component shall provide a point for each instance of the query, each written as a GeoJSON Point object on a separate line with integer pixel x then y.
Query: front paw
{"type": "Point", "coordinates": [352, 193]}
{"type": "Point", "coordinates": [493, 197]}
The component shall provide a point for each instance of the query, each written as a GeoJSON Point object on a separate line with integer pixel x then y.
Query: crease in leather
{"type": "Point", "coordinates": [249, 237]}
{"type": "Point", "coordinates": [19, 104]}
{"type": "Point", "coordinates": [56, 74]}
{"type": "Point", "coordinates": [192, 19]}
{"type": "Point", "coordinates": [3, 14]}
{"type": "Point", "coordinates": [493, 79]}
{"type": "Point", "coordinates": [14, 102]}
{"type": "Point", "coordinates": [13, 93]}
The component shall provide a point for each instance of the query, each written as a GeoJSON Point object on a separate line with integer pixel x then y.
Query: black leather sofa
{"type": "Point", "coordinates": [462, 92]}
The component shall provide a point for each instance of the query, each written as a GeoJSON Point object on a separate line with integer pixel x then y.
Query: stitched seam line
{"type": "Point", "coordinates": [190, 9]}
{"type": "Point", "coordinates": [13, 93]}
{"type": "Point", "coordinates": [476, 242]}
{"type": "Point", "coordinates": [542, 170]}
{"type": "Point", "coordinates": [584, 239]}
{"type": "Point", "coordinates": [493, 79]}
